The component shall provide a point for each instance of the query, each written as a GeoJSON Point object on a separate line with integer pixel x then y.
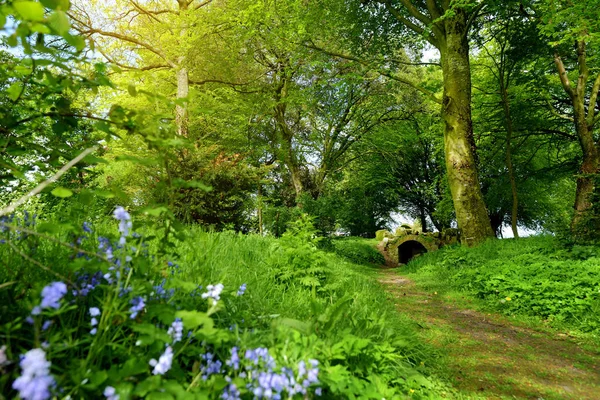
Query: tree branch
{"type": "Point", "coordinates": [564, 78]}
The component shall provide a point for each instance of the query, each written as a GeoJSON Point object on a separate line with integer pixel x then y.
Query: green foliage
{"type": "Point", "coordinates": [358, 251]}
{"type": "Point", "coordinates": [296, 258]}
{"type": "Point", "coordinates": [532, 276]}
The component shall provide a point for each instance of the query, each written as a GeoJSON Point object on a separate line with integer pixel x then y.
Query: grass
{"type": "Point", "coordinates": [534, 279]}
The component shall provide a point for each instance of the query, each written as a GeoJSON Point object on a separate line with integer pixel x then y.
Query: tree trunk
{"type": "Point", "coordinates": [459, 144]}
{"type": "Point", "coordinates": [587, 174]}
{"type": "Point", "coordinates": [183, 89]}
{"type": "Point", "coordinates": [509, 164]}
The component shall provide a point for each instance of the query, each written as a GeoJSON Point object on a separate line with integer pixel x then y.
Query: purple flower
{"type": "Point", "coordinates": [124, 223]}
{"type": "Point", "coordinates": [35, 380]}
{"type": "Point", "coordinates": [164, 362]}
{"type": "Point", "coordinates": [137, 305]}
{"type": "Point", "coordinates": [87, 227]}
{"type": "Point", "coordinates": [94, 331]}
{"type": "Point", "coordinates": [176, 330]}
{"type": "Point", "coordinates": [46, 325]}
{"type": "Point", "coordinates": [94, 311]}
{"type": "Point", "coordinates": [241, 290]}
{"type": "Point", "coordinates": [231, 392]}
{"type": "Point", "coordinates": [234, 360]}
{"type": "Point", "coordinates": [110, 393]}
{"type": "Point", "coordinates": [52, 294]}
{"type": "Point", "coordinates": [213, 292]}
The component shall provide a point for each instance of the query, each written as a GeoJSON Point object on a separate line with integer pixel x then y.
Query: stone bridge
{"type": "Point", "coordinates": [405, 244]}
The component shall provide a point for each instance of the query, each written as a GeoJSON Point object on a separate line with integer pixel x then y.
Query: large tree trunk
{"type": "Point", "coordinates": [459, 145]}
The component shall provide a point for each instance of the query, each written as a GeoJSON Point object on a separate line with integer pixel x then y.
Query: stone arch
{"type": "Point", "coordinates": [410, 249]}
{"type": "Point", "coordinates": [406, 247]}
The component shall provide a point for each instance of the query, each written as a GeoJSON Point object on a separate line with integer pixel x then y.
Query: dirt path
{"type": "Point", "coordinates": [487, 356]}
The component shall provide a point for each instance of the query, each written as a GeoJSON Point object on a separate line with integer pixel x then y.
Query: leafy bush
{"type": "Point", "coordinates": [530, 276]}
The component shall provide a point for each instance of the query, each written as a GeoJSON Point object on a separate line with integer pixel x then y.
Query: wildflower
{"type": "Point", "coordinates": [164, 362]}
{"type": "Point", "coordinates": [318, 391]}
{"type": "Point", "coordinates": [52, 293]}
{"type": "Point", "coordinates": [231, 392]}
{"type": "Point", "coordinates": [241, 290]}
{"type": "Point", "coordinates": [46, 325]}
{"type": "Point", "coordinates": [87, 227]}
{"type": "Point", "coordinates": [94, 311]}
{"type": "Point", "coordinates": [213, 292]}
{"type": "Point", "coordinates": [234, 360]}
{"type": "Point", "coordinates": [508, 299]}
{"type": "Point", "coordinates": [138, 304]}
{"type": "Point", "coordinates": [94, 331]}
{"type": "Point", "coordinates": [176, 330]}
{"type": "Point", "coordinates": [35, 380]}
{"type": "Point", "coordinates": [212, 367]}
{"type": "Point", "coordinates": [124, 223]}
{"type": "Point", "coordinates": [104, 244]}
{"type": "Point", "coordinates": [110, 393]}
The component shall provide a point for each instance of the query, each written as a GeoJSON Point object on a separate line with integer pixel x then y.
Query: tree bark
{"type": "Point", "coordinates": [459, 144]}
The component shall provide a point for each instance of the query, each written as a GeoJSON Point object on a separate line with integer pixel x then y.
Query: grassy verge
{"type": "Point", "coordinates": [533, 279]}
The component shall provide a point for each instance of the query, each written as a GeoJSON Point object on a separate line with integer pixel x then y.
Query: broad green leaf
{"type": "Point", "coordinates": [59, 21]}
{"type": "Point", "coordinates": [62, 192]}
{"type": "Point", "coordinates": [29, 10]}
{"type": "Point", "coordinates": [14, 91]}
{"type": "Point", "coordinates": [56, 4]}
{"type": "Point", "coordinates": [131, 89]}
{"type": "Point", "coordinates": [193, 319]}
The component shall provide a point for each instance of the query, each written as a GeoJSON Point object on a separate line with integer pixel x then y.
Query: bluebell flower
{"type": "Point", "coordinates": [87, 227]}
{"type": "Point", "coordinates": [110, 393]}
{"type": "Point", "coordinates": [176, 330]}
{"type": "Point", "coordinates": [94, 331]}
{"type": "Point", "coordinates": [46, 325]}
{"type": "Point", "coordinates": [138, 304]}
{"type": "Point", "coordinates": [94, 311]}
{"type": "Point", "coordinates": [164, 362]}
{"type": "Point", "coordinates": [35, 380]}
{"type": "Point", "coordinates": [241, 290]}
{"type": "Point", "coordinates": [212, 366]}
{"type": "Point", "coordinates": [234, 360]}
{"type": "Point", "coordinates": [213, 292]}
{"type": "Point", "coordinates": [124, 223]}
{"type": "Point", "coordinates": [52, 293]}
{"type": "Point", "coordinates": [231, 392]}
{"type": "Point", "coordinates": [318, 391]}
{"type": "Point", "coordinates": [105, 245]}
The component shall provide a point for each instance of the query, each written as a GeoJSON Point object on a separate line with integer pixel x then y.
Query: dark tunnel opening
{"type": "Point", "coordinates": [410, 249]}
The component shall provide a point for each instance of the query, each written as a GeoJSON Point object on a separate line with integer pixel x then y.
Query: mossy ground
{"type": "Point", "coordinates": [490, 356]}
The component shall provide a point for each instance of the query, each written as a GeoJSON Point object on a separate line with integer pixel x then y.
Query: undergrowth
{"type": "Point", "coordinates": [534, 277]}
{"type": "Point", "coordinates": [225, 316]}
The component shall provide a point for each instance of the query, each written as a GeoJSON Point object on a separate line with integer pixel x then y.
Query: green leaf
{"type": "Point", "coordinates": [131, 90]}
{"type": "Point", "coordinates": [29, 10]}
{"type": "Point", "coordinates": [56, 4]}
{"type": "Point", "coordinates": [14, 91]}
{"type": "Point", "coordinates": [62, 192]}
{"type": "Point", "coordinates": [193, 319]}
{"type": "Point", "coordinates": [76, 41]}
{"type": "Point", "coordinates": [59, 21]}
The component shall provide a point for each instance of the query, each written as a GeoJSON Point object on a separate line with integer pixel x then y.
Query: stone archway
{"type": "Point", "coordinates": [410, 249]}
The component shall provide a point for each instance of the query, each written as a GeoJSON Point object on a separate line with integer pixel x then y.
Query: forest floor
{"type": "Point", "coordinates": [491, 356]}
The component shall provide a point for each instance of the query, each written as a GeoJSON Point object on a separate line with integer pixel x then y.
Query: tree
{"type": "Point", "coordinates": [445, 25]}
{"type": "Point", "coordinates": [573, 29]}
